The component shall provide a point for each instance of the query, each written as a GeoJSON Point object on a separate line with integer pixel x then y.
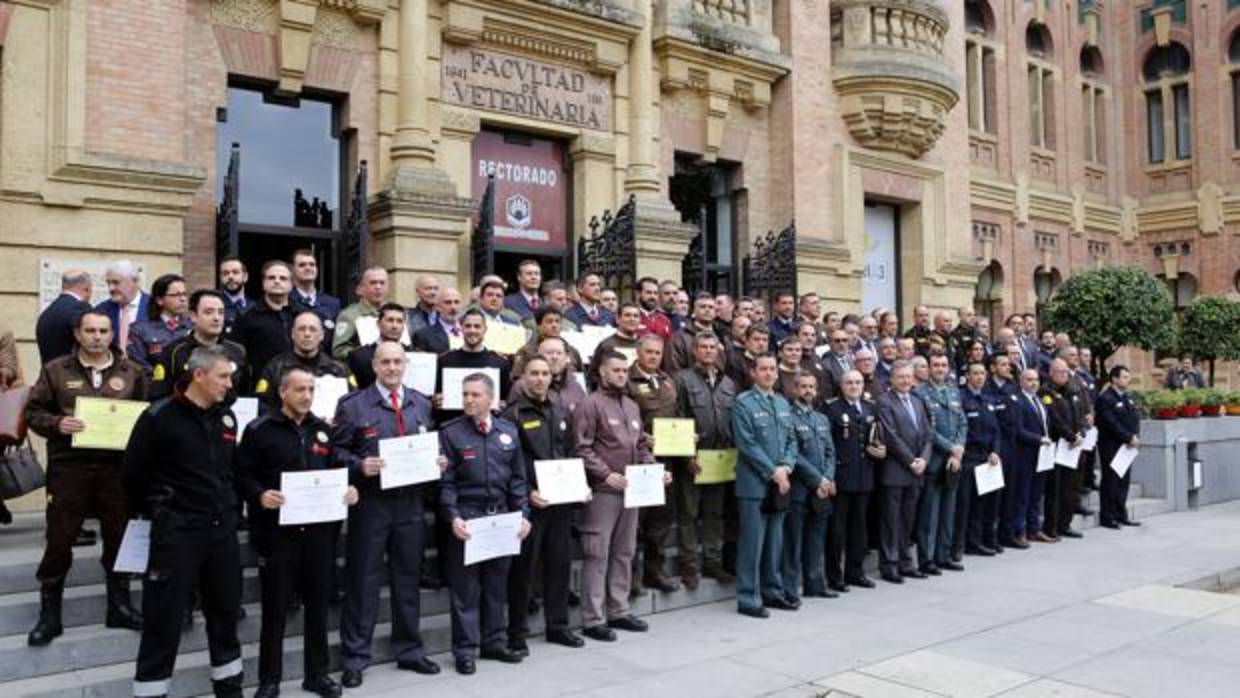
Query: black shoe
{"type": "Point", "coordinates": [952, 565]}
{"type": "Point", "coordinates": [270, 690]}
{"type": "Point", "coordinates": [915, 574]}
{"type": "Point", "coordinates": [1109, 524]}
{"type": "Point", "coordinates": [602, 633]}
{"type": "Point", "coordinates": [421, 665]}
{"type": "Point", "coordinates": [719, 574]}
{"type": "Point", "coordinates": [824, 594]}
{"type": "Point", "coordinates": [630, 623]}
{"type": "Point", "coordinates": [1069, 533]}
{"type": "Point", "coordinates": [931, 570]}
{"type": "Point", "coordinates": [838, 587]}
{"type": "Point", "coordinates": [501, 654]}
{"type": "Point", "coordinates": [892, 577]}
{"type": "Point", "coordinates": [322, 685]}
{"type": "Point", "coordinates": [780, 604]}
{"type": "Point", "coordinates": [863, 582]}
{"type": "Point", "coordinates": [1128, 522]}
{"type": "Point", "coordinates": [6, 516]}
{"type": "Point", "coordinates": [564, 637]}
{"type": "Point", "coordinates": [956, 558]}
{"type": "Point", "coordinates": [519, 647]}
{"type": "Point", "coordinates": [1017, 544]}
{"type": "Point", "coordinates": [979, 550]}
{"type": "Point", "coordinates": [755, 612]}
{"type": "Point", "coordinates": [121, 613]}
{"type": "Point", "coordinates": [49, 626]}
{"type": "Point", "coordinates": [994, 548]}
{"type": "Point", "coordinates": [351, 678]}
{"type": "Point", "coordinates": [465, 666]}
{"type": "Point", "coordinates": [662, 583]}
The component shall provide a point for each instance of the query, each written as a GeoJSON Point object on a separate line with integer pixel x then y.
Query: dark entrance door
{"type": "Point", "coordinates": [703, 194]}
{"type": "Point", "coordinates": [257, 245]}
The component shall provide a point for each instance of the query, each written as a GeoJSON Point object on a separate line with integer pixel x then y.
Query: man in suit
{"type": "Point", "coordinates": [1026, 430]}
{"type": "Point", "coordinates": [838, 361]}
{"type": "Point", "coordinates": [423, 312]}
{"type": "Point", "coordinates": [306, 294]}
{"type": "Point", "coordinates": [906, 433]}
{"type": "Point", "coordinates": [524, 301]}
{"type": "Point", "coordinates": [54, 330]}
{"type": "Point", "coordinates": [1119, 424]}
{"type": "Point", "coordinates": [784, 324]}
{"type": "Point", "coordinates": [233, 277]}
{"type": "Point", "coordinates": [445, 333]}
{"type": "Point", "coordinates": [588, 310]}
{"type": "Point", "coordinates": [859, 450]}
{"type": "Point", "coordinates": [126, 304]}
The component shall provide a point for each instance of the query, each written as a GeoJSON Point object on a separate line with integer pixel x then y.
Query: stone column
{"type": "Point", "coordinates": [413, 145]}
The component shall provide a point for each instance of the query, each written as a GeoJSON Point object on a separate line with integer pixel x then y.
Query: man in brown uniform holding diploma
{"type": "Point", "coordinates": [82, 479]}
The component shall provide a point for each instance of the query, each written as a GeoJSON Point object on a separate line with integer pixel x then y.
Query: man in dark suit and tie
{"type": "Point", "coordinates": [1119, 424]}
{"type": "Point", "coordinates": [54, 330]}
{"type": "Point", "coordinates": [588, 310]}
{"type": "Point", "coordinates": [307, 295]}
{"type": "Point", "coordinates": [126, 303]}
{"type": "Point", "coordinates": [445, 333]}
{"type": "Point", "coordinates": [838, 361]}
{"type": "Point", "coordinates": [524, 301]}
{"type": "Point", "coordinates": [906, 434]}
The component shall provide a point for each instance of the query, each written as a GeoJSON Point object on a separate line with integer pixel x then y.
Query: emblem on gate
{"type": "Point", "coordinates": [519, 211]}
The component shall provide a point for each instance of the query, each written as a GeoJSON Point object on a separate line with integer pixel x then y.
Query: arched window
{"type": "Point", "coordinates": [1167, 109]}
{"type": "Point", "coordinates": [988, 292]}
{"type": "Point", "coordinates": [1233, 57]}
{"type": "Point", "coordinates": [1041, 74]}
{"type": "Point", "coordinates": [1093, 104]}
{"type": "Point", "coordinates": [980, 74]}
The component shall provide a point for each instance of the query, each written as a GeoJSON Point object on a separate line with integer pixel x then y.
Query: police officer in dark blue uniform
{"type": "Point", "coordinates": [290, 439]}
{"type": "Point", "coordinates": [975, 532]}
{"type": "Point", "coordinates": [858, 450]}
{"type": "Point", "coordinates": [385, 523]}
{"type": "Point", "coordinates": [485, 477]}
{"type": "Point", "coordinates": [1119, 424]}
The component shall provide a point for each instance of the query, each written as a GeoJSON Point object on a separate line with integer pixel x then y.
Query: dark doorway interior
{"type": "Point", "coordinates": [258, 246]}
{"type": "Point", "coordinates": [703, 193]}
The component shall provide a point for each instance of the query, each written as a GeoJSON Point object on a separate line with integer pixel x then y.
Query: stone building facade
{"type": "Point", "coordinates": [947, 153]}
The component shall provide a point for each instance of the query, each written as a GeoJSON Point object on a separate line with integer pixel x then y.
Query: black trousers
{"type": "Point", "coordinates": [550, 543]}
{"type": "Point", "coordinates": [846, 534]}
{"type": "Point", "coordinates": [1059, 500]}
{"type": "Point", "coordinates": [478, 594]}
{"type": "Point", "coordinates": [301, 557]}
{"type": "Point", "coordinates": [1113, 494]}
{"type": "Point", "coordinates": [75, 491]}
{"type": "Point", "coordinates": [898, 514]}
{"type": "Point", "coordinates": [211, 563]}
{"type": "Point", "coordinates": [656, 527]}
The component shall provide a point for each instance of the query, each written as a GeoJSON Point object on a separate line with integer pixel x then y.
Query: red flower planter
{"type": "Point", "coordinates": [1212, 410]}
{"type": "Point", "coordinates": [1190, 411]}
{"type": "Point", "coordinates": [1169, 413]}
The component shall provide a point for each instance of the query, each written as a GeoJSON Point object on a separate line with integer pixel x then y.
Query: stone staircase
{"type": "Point", "coordinates": [92, 661]}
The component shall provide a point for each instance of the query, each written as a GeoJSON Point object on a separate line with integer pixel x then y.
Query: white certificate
{"type": "Point", "coordinates": [1123, 459]}
{"type": "Point", "coordinates": [135, 548]}
{"type": "Point", "coordinates": [645, 488]}
{"type": "Point", "coordinates": [1046, 458]}
{"type": "Point", "coordinates": [493, 536]}
{"type": "Point", "coordinates": [1090, 441]}
{"type": "Point", "coordinates": [368, 331]}
{"type": "Point", "coordinates": [1066, 455]}
{"type": "Point", "coordinates": [453, 378]}
{"type": "Point", "coordinates": [562, 481]}
{"type": "Point", "coordinates": [245, 409]}
{"type": "Point", "coordinates": [408, 460]}
{"type": "Point", "coordinates": [420, 367]}
{"type": "Point", "coordinates": [313, 496]}
{"type": "Point", "coordinates": [989, 478]}
{"type": "Point", "coordinates": [327, 392]}
{"type": "Point", "coordinates": [820, 351]}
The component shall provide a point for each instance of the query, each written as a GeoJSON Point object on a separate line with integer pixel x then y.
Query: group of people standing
{"type": "Point", "coordinates": [843, 433]}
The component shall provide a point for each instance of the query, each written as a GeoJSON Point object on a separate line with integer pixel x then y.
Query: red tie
{"type": "Point", "coordinates": [484, 427]}
{"type": "Point", "coordinates": [534, 304]}
{"type": "Point", "coordinates": [400, 418]}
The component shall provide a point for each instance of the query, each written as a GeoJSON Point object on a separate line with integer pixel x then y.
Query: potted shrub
{"type": "Point", "coordinates": [1192, 403]}
{"type": "Point", "coordinates": [1163, 404]}
{"type": "Point", "coordinates": [1212, 402]}
{"type": "Point", "coordinates": [1233, 403]}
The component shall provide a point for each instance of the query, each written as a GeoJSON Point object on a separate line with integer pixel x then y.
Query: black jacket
{"type": "Point", "coordinates": [851, 432]}
{"type": "Point", "coordinates": [267, 387]}
{"type": "Point", "coordinates": [265, 333]}
{"type": "Point", "coordinates": [544, 430]}
{"type": "Point", "coordinates": [180, 469]}
{"type": "Point", "coordinates": [170, 373]}
{"type": "Point", "coordinates": [361, 364]}
{"type": "Point", "coordinates": [54, 330]}
{"type": "Point", "coordinates": [431, 338]}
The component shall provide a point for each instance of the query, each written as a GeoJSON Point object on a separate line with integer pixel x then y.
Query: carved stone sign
{"type": "Point", "coordinates": [493, 81]}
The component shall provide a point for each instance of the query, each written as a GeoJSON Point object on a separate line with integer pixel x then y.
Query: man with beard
{"type": "Point", "coordinates": [208, 313]}
{"type": "Point", "coordinates": [654, 320]}
{"type": "Point", "coordinates": [233, 278]}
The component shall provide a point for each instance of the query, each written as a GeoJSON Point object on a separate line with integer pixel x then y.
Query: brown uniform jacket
{"type": "Point", "coordinates": [609, 432]}
{"type": "Point", "coordinates": [610, 344]}
{"type": "Point", "coordinates": [678, 354]}
{"type": "Point", "coordinates": [60, 383]}
{"type": "Point", "coordinates": [655, 395]}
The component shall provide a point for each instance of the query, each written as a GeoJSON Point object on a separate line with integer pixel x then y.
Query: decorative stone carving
{"type": "Point", "coordinates": [895, 86]}
{"type": "Point", "coordinates": [259, 16]}
{"type": "Point", "coordinates": [335, 29]}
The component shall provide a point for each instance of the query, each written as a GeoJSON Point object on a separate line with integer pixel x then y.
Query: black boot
{"type": "Point", "coordinates": [48, 628]}
{"type": "Point", "coordinates": [121, 613]}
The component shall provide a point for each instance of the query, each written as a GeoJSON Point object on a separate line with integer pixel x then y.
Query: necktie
{"type": "Point", "coordinates": [172, 325]}
{"type": "Point", "coordinates": [484, 427]}
{"type": "Point", "coordinates": [122, 339]}
{"type": "Point", "coordinates": [594, 314]}
{"type": "Point", "coordinates": [534, 303]}
{"type": "Point", "coordinates": [454, 331]}
{"type": "Point", "coordinates": [908, 405]}
{"type": "Point", "coordinates": [400, 418]}
{"type": "Point", "coordinates": [1041, 412]}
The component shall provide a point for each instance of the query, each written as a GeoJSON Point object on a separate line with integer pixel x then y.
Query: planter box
{"type": "Point", "coordinates": [1169, 446]}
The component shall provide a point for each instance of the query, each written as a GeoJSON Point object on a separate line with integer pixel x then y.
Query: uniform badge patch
{"type": "Point", "coordinates": [232, 366]}
{"type": "Point", "coordinates": [229, 421]}
{"type": "Point", "coordinates": [116, 383]}
{"type": "Point", "coordinates": [329, 324]}
{"type": "Point", "coordinates": [157, 373]}
{"type": "Point", "coordinates": [505, 439]}
{"type": "Point", "coordinates": [1046, 399]}
{"type": "Point", "coordinates": [321, 437]}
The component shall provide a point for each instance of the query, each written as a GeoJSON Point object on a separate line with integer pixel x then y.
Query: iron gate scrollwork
{"type": "Point", "coordinates": [772, 268]}
{"type": "Point", "coordinates": [356, 234]}
{"type": "Point", "coordinates": [694, 266]}
{"type": "Point", "coordinates": [482, 243]}
{"type": "Point", "coordinates": [612, 254]}
{"type": "Point", "coordinates": [227, 214]}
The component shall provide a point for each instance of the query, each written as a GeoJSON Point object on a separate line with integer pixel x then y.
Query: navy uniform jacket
{"type": "Point", "coordinates": [763, 430]}
{"type": "Point", "coordinates": [150, 338]}
{"type": "Point", "coordinates": [1025, 430]}
{"type": "Point", "coordinates": [54, 329]}
{"type": "Point", "coordinates": [326, 307]}
{"type": "Point", "coordinates": [485, 474]}
{"type": "Point", "coordinates": [984, 413]}
{"type": "Point", "coordinates": [780, 329]}
{"type": "Point", "coordinates": [274, 444]}
{"type": "Point", "coordinates": [1118, 421]}
{"type": "Point", "coordinates": [363, 417]}
{"type": "Point", "coordinates": [173, 365]}
{"type": "Point", "coordinates": [815, 451]}
{"type": "Point", "coordinates": [853, 429]}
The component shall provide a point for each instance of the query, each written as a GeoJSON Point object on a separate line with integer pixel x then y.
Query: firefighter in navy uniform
{"type": "Point", "coordinates": [290, 439]}
{"type": "Point", "coordinates": [543, 425]}
{"type": "Point", "coordinates": [206, 311]}
{"type": "Point", "coordinates": [307, 338]}
{"type": "Point", "coordinates": [485, 477]}
{"type": "Point", "coordinates": [179, 472]}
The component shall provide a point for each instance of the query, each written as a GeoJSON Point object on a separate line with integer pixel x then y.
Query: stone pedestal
{"type": "Point", "coordinates": [420, 226]}
{"type": "Point", "coordinates": [662, 239]}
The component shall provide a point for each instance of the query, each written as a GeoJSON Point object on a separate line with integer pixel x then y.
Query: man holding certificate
{"type": "Point", "coordinates": [386, 524]}
{"type": "Point", "coordinates": [1068, 410]}
{"type": "Point", "coordinates": [1119, 424]}
{"type": "Point", "coordinates": [485, 478]}
{"type": "Point", "coordinates": [391, 329]}
{"type": "Point", "coordinates": [290, 440]}
{"type": "Point", "coordinates": [610, 437]}
{"type": "Point", "coordinates": [82, 480]}
{"type": "Point", "coordinates": [545, 435]}
{"type": "Point", "coordinates": [472, 354]}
